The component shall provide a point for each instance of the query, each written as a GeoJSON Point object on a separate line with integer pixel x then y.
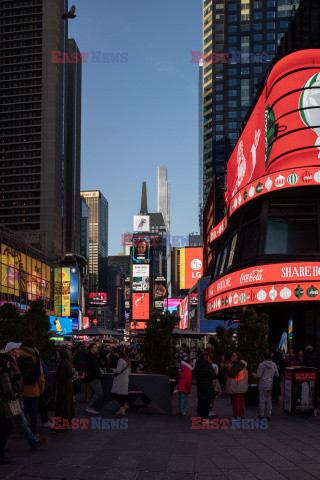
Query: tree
{"type": "Point", "coordinates": [10, 324]}
{"type": "Point", "coordinates": [35, 324]}
{"type": "Point", "coordinates": [158, 348]}
{"type": "Point", "coordinates": [224, 341]}
{"type": "Point", "coordinates": [252, 337]}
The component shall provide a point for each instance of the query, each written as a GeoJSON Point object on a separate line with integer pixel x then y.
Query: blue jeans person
{"type": "Point", "coordinates": [182, 402]}
{"type": "Point", "coordinates": [31, 407]}
{"type": "Point", "coordinates": [22, 426]}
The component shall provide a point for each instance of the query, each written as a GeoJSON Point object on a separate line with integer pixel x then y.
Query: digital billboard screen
{"type": "Point", "coordinates": [140, 278]}
{"type": "Point", "coordinates": [62, 291]}
{"type": "Point", "coordinates": [184, 313]}
{"type": "Point", "coordinates": [140, 306]}
{"type": "Point", "coordinates": [74, 286]}
{"type": "Point", "coordinates": [141, 223]}
{"type": "Point", "coordinates": [99, 299]}
{"type": "Point", "coordinates": [127, 294]}
{"type": "Point", "coordinates": [141, 249]}
{"type": "Point", "coordinates": [61, 325]}
{"type": "Point", "coordinates": [172, 304]}
{"type": "Point", "coordinates": [191, 267]}
{"type": "Point", "coordinates": [160, 292]}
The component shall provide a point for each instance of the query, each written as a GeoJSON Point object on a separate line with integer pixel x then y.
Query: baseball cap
{"type": "Point", "coordinates": [11, 346]}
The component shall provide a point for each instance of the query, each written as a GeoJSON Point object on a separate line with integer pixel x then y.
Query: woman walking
{"type": "Point", "coordinates": [120, 384]}
{"type": "Point", "coordinates": [184, 385]}
{"type": "Point", "coordinates": [205, 375]}
{"type": "Point", "coordinates": [237, 383]}
{"type": "Point", "coordinates": [6, 395]}
{"type": "Point", "coordinates": [64, 402]}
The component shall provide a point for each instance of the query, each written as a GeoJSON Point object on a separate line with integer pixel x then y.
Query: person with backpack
{"type": "Point", "coordinates": [265, 374]}
{"type": "Point", "coordinates": [20, 421]}
{"type": "Point", "coordinates": [32, 373]}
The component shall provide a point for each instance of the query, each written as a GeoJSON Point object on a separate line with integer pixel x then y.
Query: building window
{"type": "Point", "coordinates": [272, 36]}
{"type": "Point", "coordinates": [232, 39]}
{"type": "Point", "coordinates": [219, 118]}
{"type": "Point", "coordinates": [291, 236]}
{"type": "Point", "coordinates": [271, 25]}
{"type": "Point", "coordinates": [245, 71]}
{"type": "Point", "coordinates": [232, 29]}
{"type": "Point", "coordinates": [257, 4]}
{"type": "Point", "coordinates": [232, 103]}
{"type": "Point", "coordinates": [232, 93]}
{"type": "Point", "coordinates": [258, 26]}
{"type": "Point", "coordinates": [257, 48]}
{"type": "Point", "coordinates": [232, 82]}
{"type": "Point", "coordinates": [219, 98]}
{"type": "Point", "coordinates": [271, 47]}
{"type": "Point", "coordinates": [232, 114]}
{"type": "Point", "coordinates": [219, 128]}
{"type": "Point", "coordinates": [245, 92]}
{"type": "Point", "coordinates": [271, 14]}
{"type": "Point", "coordinates": [232, 18]}
{"type": "Point", "coordinates": [219, 108]}
{"type": "Point", "coordinates": [284, 24]}
{"type": "Point", "coordinates": [232, 71]}
{"type": "Point", "coordinates": [257, 69]}
{"type": "Point", "coordinates": [245, 44]}
{"type": "Point", "coordinates": [232, 7]}
{"type": "Point", "coordinates": [257, 16]}
{"type": "Point", "coordinates": [232, 125]}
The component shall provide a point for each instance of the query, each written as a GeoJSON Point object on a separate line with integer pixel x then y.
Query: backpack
{"type": "Point", "coordinates": [27, 369]}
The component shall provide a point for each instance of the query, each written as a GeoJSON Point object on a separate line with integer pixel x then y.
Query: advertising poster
{"type": "Point", "coordinates": [86, 323]}
{"type": "Point", "coordinates": [99, 299]}
{"type": "Point", "coordinates": [127, 295]}
{"type": "Point", "coordinates": [160, 292]}
{"type": "Point", "coordinates": [140, 306]}
{"type": "Point", "coordinates": [304, 391]}
{"type": "Point", "coordinates": [287, 402]}
{"type": "Point", "coordinates": [74, 286]}
{"type": "Point", "coordinates": [171, 305]}
{"type": "Point", "coordinates": [62, 291]}
{"type": "Point", "coordinates": [140, 278]}
{"type": "Point", "coordinates": [141, 249]}
{"type": "Point", "coordinates": [191, 268]}
{"type": "Point", "coordinates": [141, 223]}
{"type": "Point", "coordinates": [184, 314]}
{"type": "Point", "coordinates": [61, 325]}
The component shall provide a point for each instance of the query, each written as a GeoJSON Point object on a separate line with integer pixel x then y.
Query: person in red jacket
{"type": "Point", "coordinates": [184, 385]}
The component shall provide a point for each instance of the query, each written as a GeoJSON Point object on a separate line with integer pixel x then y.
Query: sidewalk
{"type": "Point", "coordinates": [165, 447]}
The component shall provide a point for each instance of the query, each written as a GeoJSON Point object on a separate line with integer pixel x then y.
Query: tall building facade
{"type": "Point", "coordinates": [33, 129]}
{"type": "Point", "coordinates": [164, 195]}
{"type": "Point", "coordinates": [98, 239]}
{"type": "Point", "coordinates": [245, 34]}
{"type": "Point", "coordinates": [200, 151]}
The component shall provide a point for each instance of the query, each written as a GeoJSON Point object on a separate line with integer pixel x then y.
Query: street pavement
{"type": "Point", "coordinates": [156, 446]}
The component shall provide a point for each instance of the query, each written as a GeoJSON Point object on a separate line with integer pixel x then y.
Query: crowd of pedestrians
{"type": "Point", "coordinates": [23, 383]}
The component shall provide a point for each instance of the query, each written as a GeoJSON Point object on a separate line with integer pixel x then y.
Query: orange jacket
{"type": "Point", "coordinates": [38, 388]}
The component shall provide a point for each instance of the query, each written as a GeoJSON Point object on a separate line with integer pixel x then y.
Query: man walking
{"type": "Point", "coordinates": [20, 421]}
{"type": "Point", "coordinates": [93, 378]}
{"type": "Point", "coordinates": [266, 371]}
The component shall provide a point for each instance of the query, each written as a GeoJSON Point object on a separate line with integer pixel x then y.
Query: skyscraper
{"type": "Point", "coordinates": [98, 240]}
{"type": "Point", "coordinates": [34, 165]}
{"type": "Point", "coordinates": [164, 195]}
{"type": "Point", "coordinates": [246, 33]}
{"type": "Point", "coordinates": [200, 151]}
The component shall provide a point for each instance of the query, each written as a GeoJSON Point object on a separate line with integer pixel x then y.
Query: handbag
{"type": "Point", "coordinates": [13, 408]}
{"type": "Point", "coordinates": [217, 388]}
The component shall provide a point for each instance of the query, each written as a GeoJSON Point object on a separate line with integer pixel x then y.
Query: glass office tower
{"type": "Point", "coordinates": [246, 34]}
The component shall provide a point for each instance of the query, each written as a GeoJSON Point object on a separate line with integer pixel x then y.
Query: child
{"type": "Point", "coordinates": [184, 385]}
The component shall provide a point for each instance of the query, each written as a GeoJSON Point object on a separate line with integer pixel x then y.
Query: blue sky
{"type": "Point", "coordinates": [141, 114]}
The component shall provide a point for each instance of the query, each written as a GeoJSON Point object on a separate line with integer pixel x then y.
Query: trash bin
{"type": "Point", "coordinates": [299, 389]}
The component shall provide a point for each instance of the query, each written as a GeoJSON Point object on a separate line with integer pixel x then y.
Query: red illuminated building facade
{"type": "Point", "coordinates": [266, 249]}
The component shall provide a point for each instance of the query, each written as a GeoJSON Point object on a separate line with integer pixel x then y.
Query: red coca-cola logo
{"type": "Point", "coordinates": [254, 276]}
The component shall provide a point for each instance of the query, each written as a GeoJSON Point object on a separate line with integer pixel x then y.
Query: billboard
{"type": "Point", "coordinates": [160, 292]}
{"type": "Point", "coordinates": [62, 291]}
{"type": "Point", "coordinates": [141, 223]}
{"type": "Point", "coordinates": [99, 299]}
{"type": "Point", "coordinates": [184, 313]}
{"type": "Point", "coordinates": [191, 267]}
{"type": "Point", "coordinates": [127, 294]}
{"type": "Point", "coordinates": [86, 322]}
{"type": "Point", "coordinates": [74, 286]}
{"type": "Point", "coordinates": [140, 306]}
{"type": "Point", "coordinates": [141, 249]}
{"type": "Point", "coordinates": [208, 225]}
{"type": "Point", "coordinates": [279, 146]}
{"type": "Point", "coordinates": [172, 304]}
{"type": "Point", "coordinates": [61, 325]}
{"type": "Point", "coordinates": [138, 325]}
{"type": "Point", "coordinates": [140, 278]}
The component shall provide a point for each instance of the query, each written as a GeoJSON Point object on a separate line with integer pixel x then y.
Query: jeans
{"type": "Point", "coordinates": [22, 426]}
{"type": "Point", "coordinates": [5, 428]}
{"type": "Point", "coordinates": [95, 390]}
{"type": "Point", "coordinates": [182, 402]}
{"type": "Point", "coordinates": [265, 402]}
{"type": "Point", "coordinates": [31, 407]}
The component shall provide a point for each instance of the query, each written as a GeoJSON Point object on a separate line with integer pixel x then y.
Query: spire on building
{"type": "Point", "coordinates": [144, 203]}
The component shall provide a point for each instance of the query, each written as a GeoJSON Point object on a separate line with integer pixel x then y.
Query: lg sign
{"type": "Point", "coordinates": [191, 270]}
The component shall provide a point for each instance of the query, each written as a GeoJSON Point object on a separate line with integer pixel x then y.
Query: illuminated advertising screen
{"type": "Point", "coordinates": [127, 294]}
{"type": "Point", "coordinates": [86, 322]}
{"type": "Point", "coordinates": [99, 299]}
{"type": "Point", "coordinates": [140, 278]}
{"type": "Point", "coordinates": [141, 223]}
{"type": "Point", "coordinates": [279, 146]}
{"type": "Point", "coordinates": [191, 267]}
{"type": "Point", "coordinates": [62, 291]}
{"type": "Point", "coordinates": [138, 326]}
{"type": "Point", "coordinates": [160, 292]}
{"type": "Point", "coordinates": [208, 225]}
{"type": "Point", "coordinates": [184, 314]}
{"type": "Point", "coordinates": [74, 286]}
{"type": "Point", "coordinates": [61, 325]}
{"type": "Point", "coordinates": [141, 249]}
{"type": "Point", "coordinates": [172, 304]}
{"type": "Point", "coordinates": [140, 306]}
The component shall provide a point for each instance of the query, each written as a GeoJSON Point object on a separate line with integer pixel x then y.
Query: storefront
{"type": "Point", "coordinates": [266, 249]}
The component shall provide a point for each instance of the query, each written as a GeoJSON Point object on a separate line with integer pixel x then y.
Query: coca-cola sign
{"type": "Point", "coordinates": [259, 275]}
{"type": "Point", "coordinates": [254, 276]}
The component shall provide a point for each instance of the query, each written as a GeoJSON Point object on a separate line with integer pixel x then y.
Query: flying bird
{"type": "Point", "coordinates": [70, 14]}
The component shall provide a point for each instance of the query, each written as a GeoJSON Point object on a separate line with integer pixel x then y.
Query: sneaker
{"type": "Point", "coordinates": [4, 460]}
{"type": "Point", "coordinates": [183, 414]}
{"type": "Point", "coordinates": [92, 411]}
{"type": "Point", "coordinates": [47, 424]}
{"type": "Point", "coordinates": [212, 414]}
{"type": "Point", "coordinates": [40, 442]}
